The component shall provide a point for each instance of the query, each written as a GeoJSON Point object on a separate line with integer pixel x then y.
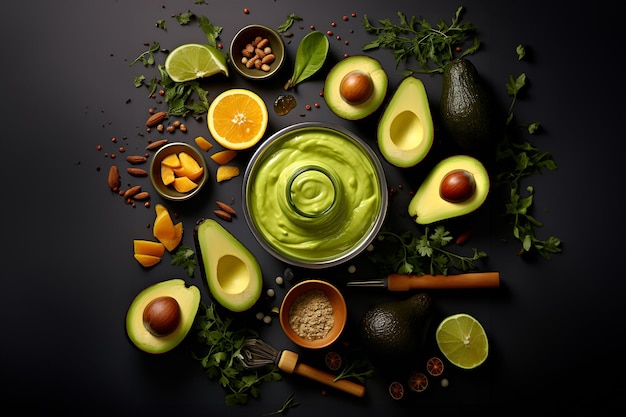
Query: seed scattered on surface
{"type": "Point", "coordinates": [279, 280]}
{"type": "Point", "coordinates": [352, 269]}
{"type": "Point", "coordinates": [270, 292]}
{"type": "Point", "coordinates": [267, 319]}
{"type": "Point", "coordinates": [444, 382]}
{"type": "Point", "coordinates": [260, 315]}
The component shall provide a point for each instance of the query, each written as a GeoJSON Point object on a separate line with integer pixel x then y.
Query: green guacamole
{"type": "Point", "coordinates": [314, 195]}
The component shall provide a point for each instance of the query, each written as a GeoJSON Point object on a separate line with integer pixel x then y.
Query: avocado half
{"type": "Point", "coordinates": [332, 87]}
{"type": "Point", "coordinates": [231, 271]}
{"type": "Point", "coordinates": [405, 129]}
{"type": "Point", "coordinates": [188, 299]}
{"type": "Point", "coordinates": [428, 207]}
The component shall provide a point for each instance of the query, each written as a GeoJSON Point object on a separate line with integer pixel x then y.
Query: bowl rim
{"type": "Point", "coordinates": [337, 300]}
{"type": "Point", "coordinates": [155, 176]}
{"type": "Point", "coordinates": [255, 74]}
{"type": "Point", "coordinates": [362, 243]}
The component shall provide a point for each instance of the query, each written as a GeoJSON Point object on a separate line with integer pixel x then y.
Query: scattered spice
{"type": "Point", "coordinates": [311, 315]}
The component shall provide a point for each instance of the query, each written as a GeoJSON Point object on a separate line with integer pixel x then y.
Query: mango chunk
{"type": "Point", "coordinates": [183, 184]}
{"type": "Point", "coordinates": [171, 161]}
{"type": "Point", "coordinates": [189, 167]}
{"type": "Point", "coordinates": [172, 243]}
{"type": "Point", "coordinates": [148, 247]}
{"type": "Point", "coordinates": [147, 260]}
{"type": "Point", "coordinates": [226, 172]}
{"type": "Point", "coordinates": [167, 174]}
{"type": "Point", "coordinates": [224, 157]}
{"type": "Point", "coordinates": [203, 144]}
{"type": "Point", "coordinates": [163, 227]}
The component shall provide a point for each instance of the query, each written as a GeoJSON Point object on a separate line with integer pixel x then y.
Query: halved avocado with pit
{"type": "Point", "coordinates": [429, 206]}
{"type": "Point", "coordinates": [188, 301]}
{"type": "Point", "coordinates": [355, 87]}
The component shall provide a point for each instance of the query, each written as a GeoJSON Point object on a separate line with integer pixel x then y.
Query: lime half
{"type": "Point", "coordinates": [193, 60]}
{"type": "Point", "coordinates": [462, 340]}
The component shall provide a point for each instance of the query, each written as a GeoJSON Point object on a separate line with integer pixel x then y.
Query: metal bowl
{"type": "Point", "coordinates": [247, 35]}
{"type": "Point", "coordinates": [168, 191]}
{"type": "Point", "coordinates": [339, 313]}
{"type": "Point", "coordinates": [315, 195]}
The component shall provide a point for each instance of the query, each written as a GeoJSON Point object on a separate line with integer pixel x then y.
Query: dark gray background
{"type": "Point", "coordinates": [555, 327]}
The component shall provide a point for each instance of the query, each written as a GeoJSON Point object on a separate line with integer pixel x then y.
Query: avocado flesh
{"type": "Point", "coordinates": [332, 84]}
{"type": "Point", "coordinates": [188, 299]}
{"type": "Point", "coordinates": [428, 207]}
{"type": "Point", "coordinates": [230, 270]}
{"type": "Point", "coordinates": [465, 108]}
{"type": "Point", "coordinates": [405, 130]}
{"type": "Point", "coordinates": [393, 330]}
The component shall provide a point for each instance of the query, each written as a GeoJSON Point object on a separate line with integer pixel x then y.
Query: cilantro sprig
{"type": "Point", "coordinates": [359, 369]}
{"type": "Point", "coordinates": [431, 45]}
{"type": "Point", "coordinates": [407, 253]}
{"type": "Point", "coordinates": [223, 339]}
{"type": "Point", "coordinates": [185, 257]}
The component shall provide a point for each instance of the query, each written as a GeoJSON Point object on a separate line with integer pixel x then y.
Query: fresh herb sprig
{"type": "Point", "coordinates": [407, 253]}
{"type": "Point", "coordinates": [432, 46]}
{"type": "Point", "coordinates": [359, 369]}
{"type": "Point", "coordinates": [517, 160]}
{"type": "Point", "coordinates": [223, 341]}
{"type": "Point", "coordinates": [185, 257]}
{"type": "Point", "coordinates": [290, 402]}
{"type": "Point", "coordinates": [288, 23]}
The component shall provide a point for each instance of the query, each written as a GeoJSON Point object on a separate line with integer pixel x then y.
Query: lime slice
{"type": "Point", "coordinates": [462, 340]}
{"type": "Point", "coordinates": [193, 60]}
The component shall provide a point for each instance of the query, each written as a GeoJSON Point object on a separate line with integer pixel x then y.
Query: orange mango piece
{"type": "Point", "coordinates": [226, 172]}
{"type": "Point", "coordinates": [203, 144]}
{"type": "Point", "coordinates": [183, 184]}
{"type": "Point", "coordinates": [167, 174]}
{"type": "Point", "coordinates": [224, 157]}
{"type": "Point", "coordinates": [189, 167]}
{"type": "Point", "coordinates": [171, 161]}
{"type": "Point", "coordinates": [148, 247]}
{"type": "Point", "coordinates": [163, 227]}
{"type": "Point", "coordinates": [147, 260]}
{"type": "Point", "coordinates": [172, 243]}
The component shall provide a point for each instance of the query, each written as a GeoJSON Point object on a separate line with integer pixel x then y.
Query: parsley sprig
{"type": "Point", "coordinates": [223, 340]}
{"type": "Point", "coordinates": [517, 160]}
{"type": "Point", "coordinates": [290, 402]}
{"type": "Point", "coordinates": [185, 257]}
{"type": "Point", "coordinates": [431, 45]}
{"type": "Point", "coordinates": [407, 253]}
{"type": "Point", "coordinates": [359, 369]}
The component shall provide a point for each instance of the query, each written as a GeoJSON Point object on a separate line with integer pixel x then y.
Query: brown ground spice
{"type": "Point", "coordinates": [311, 315]}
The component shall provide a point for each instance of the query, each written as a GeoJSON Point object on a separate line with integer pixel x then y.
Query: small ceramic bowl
{"type": "Point", "coordinates": [246, 36]}
{"type": "Point", "coordinates": [309, 291]}
{"type": "Point", "coordinates": [168, 191]}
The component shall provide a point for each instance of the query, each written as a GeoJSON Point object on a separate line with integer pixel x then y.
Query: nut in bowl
{"type": "Point", "coordinates": [178, 171]}
{"type": "Point", "coordinates": [313, 314]}
{"type": "Point", "coordinates": [257, 52]}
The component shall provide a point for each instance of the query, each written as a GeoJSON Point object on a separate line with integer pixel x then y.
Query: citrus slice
{"type": "Point", "coordinates": [193, 60]}
{"type": "Point", "coordinates": [396, 390]}
{"type": "Point", "coordinates": [237, 118]}
{"type": "Point", "coordinates": [418, 381]}
{"type": "Point", "coordinates": [434, 366]}
{"type": "Point", "coordinates": [462, 340]}
{"type": "Point", "coordinates": [333, 360]}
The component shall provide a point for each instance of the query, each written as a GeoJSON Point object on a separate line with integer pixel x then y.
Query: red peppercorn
{"type": "Point", "coordinates": [308, 107]}
{"type": "Point", "coordinates": [333, 24]}
{"type": "Point", "coordinates": [353, 14]}
{"type": "Point", "coordinates": [329, 33]}
{"type": "Point", "coordinates": [246, 10]}
{"type": "Point", "coordinates": [312, 27]}
{"type": "Point", "coordinates": [345, 18]}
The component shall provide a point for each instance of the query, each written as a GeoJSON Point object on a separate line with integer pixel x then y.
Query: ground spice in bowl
{"type": "Point", "coordinates": [311, 315]}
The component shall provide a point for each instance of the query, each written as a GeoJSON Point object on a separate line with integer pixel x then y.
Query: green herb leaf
{"type": "Point", "coordinates": [185, 257]}
{"type": "Point", "coordinates": [521, 52]}
{"type": "Point", "coordinates": [310, 57]}
{"type": "Point", "coordinates": [359, 369]}
{"type": "Point", "coordinates": [161, 24]}
{"type": "Point", "coordinates": [211, 31]}
{"type": "Point", "coordinates": [147, 57]}
{"type": "Point", "coordinates": [291, 19]}
{"type": "Point", "coordinates": [290, 402]}
{"type": "Point", "coordinates": [184, 18]}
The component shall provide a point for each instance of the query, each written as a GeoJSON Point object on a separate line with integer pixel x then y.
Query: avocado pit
{"type": "Point", "coordinates": [457, 186]}
{"type": "Point", "coordinates": [162, 316]}
{"type": "Point", "coordinates": [356, 87]}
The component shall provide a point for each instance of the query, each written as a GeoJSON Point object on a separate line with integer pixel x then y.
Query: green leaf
{"type": "Point", "coordinates": [291, 18]}
{"type": "Point", "coordinates": [521, 52]}
{"type": "Point", "coordinates": [211, 31]}
{"type": "Point", "coordinates": [310, 57]}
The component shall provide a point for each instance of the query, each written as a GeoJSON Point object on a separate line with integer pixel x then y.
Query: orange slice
{"type": "Point", "coordinates": [434, 366]}
{"type": "Point", "coordinates": [333, 360]}
{"type": "Point", "coordinates": [418, 382]}
{"type": "Point", "coordinates": [237, 118]}
{"type": "Point", "coordinates": [396, 390]}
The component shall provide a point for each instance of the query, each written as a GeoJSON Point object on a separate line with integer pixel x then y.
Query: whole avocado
{"type": "Point", "coordinates": [465, 107]}
{"type": "Point", "coordinates": [392, 331]}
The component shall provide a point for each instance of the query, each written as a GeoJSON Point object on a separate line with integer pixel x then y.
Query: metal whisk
{"type": "Point", "coordinates": [256, 353]}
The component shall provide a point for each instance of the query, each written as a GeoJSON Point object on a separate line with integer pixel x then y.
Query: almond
{"type": "Point", "coordinates": [114, 178]}
{"type": "Point", "coordinates": [132, 191]}
{"type": "Point", "coordinates": [136, 159]}
{"type": "Point", "coordinates": [223, 215]}
{"type": "Point", "coordinates": [156, 144]}
{"type": "Point", "coordinates": [156, 118]}
{"type": "Point", "coordinates": [144, 195]}
{"type": "Point", "coordinates": [137, 172]}
{"type": "Point", "coordinates": [225, 207]}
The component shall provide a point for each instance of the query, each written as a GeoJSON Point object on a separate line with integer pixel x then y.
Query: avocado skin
{"type": "Point", "coordinates": [391, 332]}
{"type": "Point", "coordinates": [465, 108]}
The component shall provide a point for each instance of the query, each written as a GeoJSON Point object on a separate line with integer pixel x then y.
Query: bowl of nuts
{"type": "Point", "coordinates": [257, 52]}
{"type": "Point", "coordinates": [313, 314]}
{"type": "Point", "coordinates": [178, 171]}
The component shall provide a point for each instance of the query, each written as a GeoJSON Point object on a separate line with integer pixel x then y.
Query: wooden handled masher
{"type": "Point", "coordinates": [257, 353]}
